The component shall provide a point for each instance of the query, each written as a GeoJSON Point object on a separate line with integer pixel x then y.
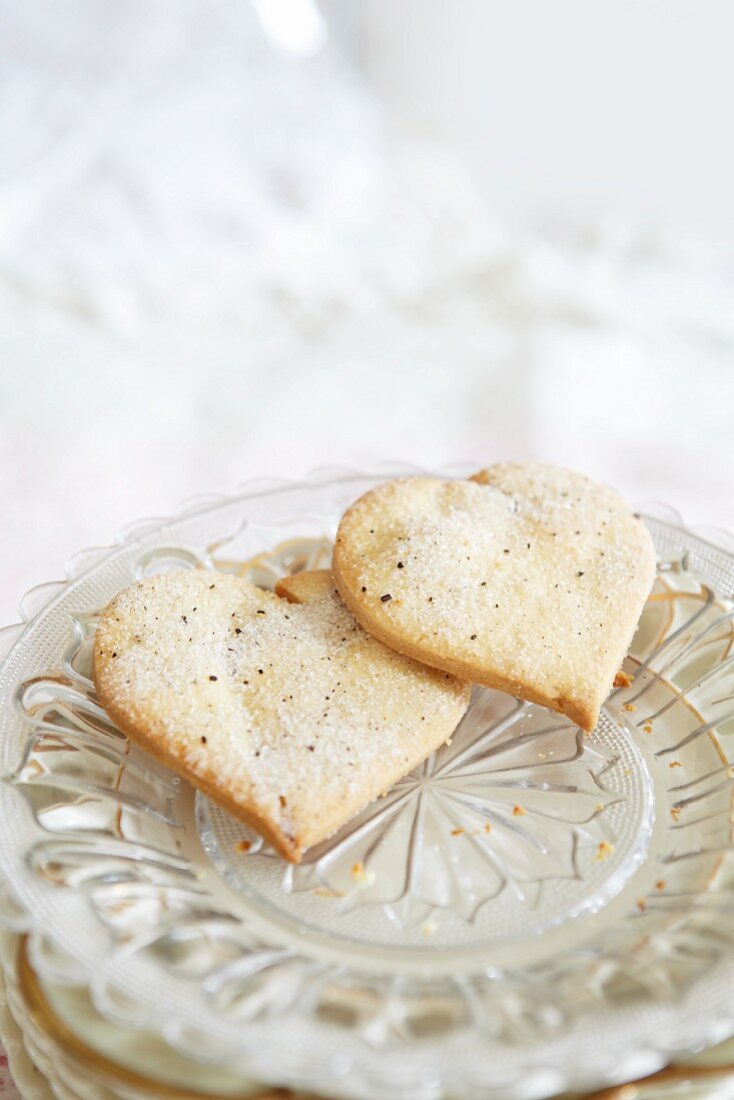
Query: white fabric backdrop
{"type": "Point", "coordinates": [216, 263]}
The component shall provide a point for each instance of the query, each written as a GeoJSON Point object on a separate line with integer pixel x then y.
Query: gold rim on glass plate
{"type": "Point", "coordinates": [47, 1020]}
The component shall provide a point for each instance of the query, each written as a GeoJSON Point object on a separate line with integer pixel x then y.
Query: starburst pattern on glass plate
{"type": "Point", "coordinates": [502, 807]}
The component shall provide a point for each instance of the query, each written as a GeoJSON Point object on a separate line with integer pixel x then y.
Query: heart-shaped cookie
{"type": "Point", "coordinates": [286, 713]}
{"type": "Point", "coordinates": [528, 578]}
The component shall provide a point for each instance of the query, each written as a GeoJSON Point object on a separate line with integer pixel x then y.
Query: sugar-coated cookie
{"type": "Point", "coordinates": [528, 578]}
{"type": "Point", "coordinates": [286, 713]}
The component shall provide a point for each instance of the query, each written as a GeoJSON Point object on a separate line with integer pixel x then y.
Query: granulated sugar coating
{"type": "Point", "coordinates": [287, 713]}
{"type": "Point", "coordinates": [528, 578]}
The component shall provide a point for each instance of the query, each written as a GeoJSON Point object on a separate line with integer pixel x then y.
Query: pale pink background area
{"type": "Point", "coordinates": [7, 1088]}
{"type": "Point", "coordinates": [220, 260]}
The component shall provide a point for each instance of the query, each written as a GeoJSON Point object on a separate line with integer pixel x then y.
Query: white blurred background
{"type": "Point", "coordinates": [242, 238]}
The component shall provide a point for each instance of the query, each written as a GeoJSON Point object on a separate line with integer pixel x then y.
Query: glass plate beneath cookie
{"type": "Point", "coordinates": [531, 910]}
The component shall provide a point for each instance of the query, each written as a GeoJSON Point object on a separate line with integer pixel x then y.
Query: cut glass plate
{"type": "Point", "coordinates": [529, 911]}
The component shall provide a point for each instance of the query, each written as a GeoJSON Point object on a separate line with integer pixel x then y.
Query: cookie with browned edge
{"type": "Point", "coordinates": [287, 713]}
{"type": "Point", "coordinates": [528, 578]}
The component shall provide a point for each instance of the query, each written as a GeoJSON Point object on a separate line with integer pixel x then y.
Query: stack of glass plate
{"type": "Point", "coordinates": [156, 947]}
